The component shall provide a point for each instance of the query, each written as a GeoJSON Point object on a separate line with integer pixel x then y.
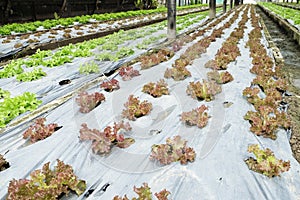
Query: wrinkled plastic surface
{"type": "Point", "coordinates": [218, 173]}
{"type": "Point", "coordinates": [8, 49]}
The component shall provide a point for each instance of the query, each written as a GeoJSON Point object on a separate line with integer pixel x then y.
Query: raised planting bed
{"type": "Point", "coordinates": [152, 136]}
{"type": "Point", "coordinates": [60, 35]}
{"type": "Point", "coordinates": [289, 14]}
{"type": "Point", "coordinates": [287, 18]}
{"type": "Point", "coordinates": [288, 5]}
{"type": "Point", "coordinates": [68, 68]}
{"type": "Point", "coordinates": [16, 28]}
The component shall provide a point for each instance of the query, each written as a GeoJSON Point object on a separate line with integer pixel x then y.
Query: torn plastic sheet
{"type": "Point", "coordinates": [222, 174]}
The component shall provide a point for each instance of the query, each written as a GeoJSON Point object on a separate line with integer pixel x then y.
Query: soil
{"type": "Point", "coordinates": [291, 53]}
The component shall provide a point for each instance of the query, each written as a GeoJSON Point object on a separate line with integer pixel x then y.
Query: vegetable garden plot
{"type": "Point", "coordinates": [291, 15]}
{"type": "Point", "coordinates": [213, 175]}
{"type": "Point", "coordinates": [288, 5]}
{"type": "Point", "coordinates": [66, 60]}
{"type": "Point", "coordinates": [62, 31]}
{"type": "Point", "coordinates": [16, 28]}
{"type": "Point", "coordinates": [218, 26]}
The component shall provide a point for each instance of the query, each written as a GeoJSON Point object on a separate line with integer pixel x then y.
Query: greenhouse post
{"type": "Point", "coordinates": [212, 9]}
{"type": "Point", "coordinates": [171, 19]}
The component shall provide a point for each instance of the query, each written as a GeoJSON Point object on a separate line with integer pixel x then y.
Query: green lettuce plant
{"type": "Point", "coordinates": [11, 107]}
{"type": "Point", "coordinates": [124, 52]}
{"type": "Point", "coordinates": [12, 69]}
{"type": "Point", "coordinates": [35, 74]}
{"type": "Point", "coordinates": [88, 68]}
{"type": "Point", "coordinates": [106, 56]}
{"type": "Point", "coordinates": [4, 93]}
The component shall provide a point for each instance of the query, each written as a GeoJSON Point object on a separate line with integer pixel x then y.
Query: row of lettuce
{"type": "Point", "coordinates": [284, 12]}
{"type": "Point", "coordinates": [266, 94]}
{"type": "Point", "coordinates": [289, 5]}
{"type": "Point", "coordinates": [65, 22]}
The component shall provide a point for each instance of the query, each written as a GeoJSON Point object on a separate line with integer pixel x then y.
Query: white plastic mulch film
{"type": "Point", "coordinates": [16, 42]}
{"type": "Point", "coordinates": [219, 170]}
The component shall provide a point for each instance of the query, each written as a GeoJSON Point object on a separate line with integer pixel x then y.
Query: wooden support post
{"type": "Point", "coordinates": [171, 19]}
{"type": "Point", "coordinates": [118, 4]}
{"type": "Point", "coordinates": [63, 8]}
{"type": "Point", "coordinates": [212, 9]}
{"type": "Point", "coordinates": [236, 3]}
{"type": "Point", "coordinates": [7, 11]}
{"type": "Point", "coordinates": [224, 6]}
{"type": "Point", "coordinates": [33, 11]}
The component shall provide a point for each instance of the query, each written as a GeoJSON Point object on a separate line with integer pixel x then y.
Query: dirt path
{"type": "Point", "coordinates": [291, 54]}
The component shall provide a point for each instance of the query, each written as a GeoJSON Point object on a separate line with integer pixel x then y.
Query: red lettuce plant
{"type": "Point", "coordinates": [203, 91]}
{"type": "Point", "coordinates": [102, 142]}
{"type": "Point", "coordinates": [39, 130]}
{"type": "Point", "coordinates": [135, 109]}
{"type": "Point", "coordinates": [3, 163]}
{"type": "Point", "coordinates": [226, 54]}
{"type": "Point", "coordinates": [266, 163]}
{"type": "Point", "coordinates": [211, 64]}
{"type": "Point", "coordinates": [262, 70]}
{"type": "Point", "coordinates": [177, 73]}
{"type": "Point", "coordinates": [251, 93]}
{"type": "Point", "coordinates": [198, 117]}
{"type": "Point", "coordinates": [127, 73]}
{"type": "Point", "coordinates": [155, 58]}
{"type": "Point", "coordinates": [144, 193]}
{"type": "Point", "coordinates": [272, 99]}
{"type": "Point", "coordinates": [266, 82]}
{"type": "Point", "coordinates": [156, 89]}
{"type": "Point", "coordinates": [183, 61]}
{"type": "Point", "coordinates": [88, 102]}
{"type": "Point", "coordinates": [220, 78]}
{"type": "Point", "coordinates": [174, 150]}
{"type": "Point", "coordinates": [110, 85]}
{"type": "Point", "coordinates": [266, 121]}
{"type": "Point", "coordinates": [177, 45]}
{"type": "Point", "coordinates": [46, 183]}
